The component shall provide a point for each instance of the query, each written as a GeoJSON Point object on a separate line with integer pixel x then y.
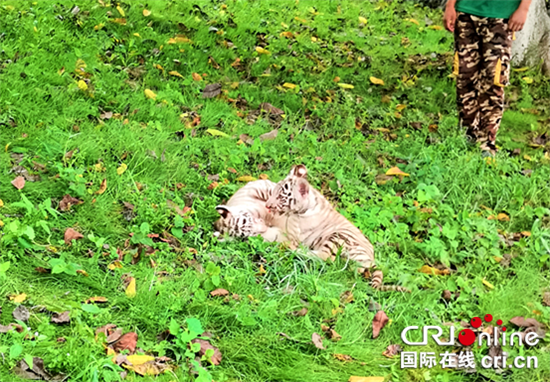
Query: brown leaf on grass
{"type": "Point", "coordinates": [70, 235]}
{"type": "Point", "coordinates": [37, 372]}
{"type": "Point", "coordinates": [211, 90]}
{"type": "Point", "coordinates": [68, 201]}
{"type": "Point", "coordinates": [114, 335]}
{"type": "Point", "coordinates": [196, 77]}
{"type": "Point", "coordinates": [392, 350]}
{"type": "Point", "coordinates": [212, 185]}
{"type": "Point", "coordinates": [269, 136]}
{"type": "Point", "coordinates": [176, 208]}
{"type": "Point", "coordinates": [246, 139]}
{"type": "Point", "coordinates": [447, 295]}
{"type": "Point", "coordinates": [18, 182]}
{"type": "Point", "coordinates": [6, 329]}
{"type": "Point", "coordinates": [106, 115]}
{"type": "Point", "coordinates": [378, 322]}
{"type": "Point", "coordinates": [205, 345]}
{"type": "Point", "coordinates": [333, 335]}
{"type": "Point", "coordinates": [21, 313]}
{"type": "Point", "coordinates": [219, 292]}
{"type": "Point", "coordinates": [382, 179]}
{"type": "Point", "coordinates": [97, 299]}
{"type": "Point", "coordinates": [102, 187]}
{"type": "Point", "coordinates": [299, 313]}
{"type": "Point", "coordinates": [61, 318]}
{"type": "Point", "coordinates": [127, 341]}
{"type": "Point", "coordinates": [42, 270]}
{"type": "Point", "coordinates": [546, 299]}
{"type": "Point", "coordinates": [342, 357]}
{"type": "Point", "coordinates": [346, 297]}
{"type": "Point", "coordinates": [105, 329]}
{"type": "Point", "coordinates": [433, 271]}
{"type": "Point", "coordinates": [270, 108]}
{"type": "Point", "coordinates": [524, 322]}
{"type": "Point", "coordinates": [317, 341]}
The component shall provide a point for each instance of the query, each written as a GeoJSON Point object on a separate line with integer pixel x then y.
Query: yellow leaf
{"type": "Point", "coordinates": [433, 271]}
{"type": "Point", "coordinates": [396, 171]}
{"type": "Point", "coordinates": [110, 351]}
{"type": "Point", "coordinates": [146, 13]}
{"type": "Point", "coordinates": [376, 81]}
{"type": "Point", "coordinates": [121, 169]}
{"type": "Point", "coordinates": [300, 20]}
{"type": "Point", "coordinates": [503, 217]}
{"type": "Point", "coordinates": [1, 223]}
{"type": "Point", "coordinates": [487, 284]}
{"type": "Point", "coordinates": [139, 359]}
{"type": "Point", "coordinates": [386, 99]}
{"type": "Point", "coordinates": [497, 259]}
{"type": "Point", "coordinates": [114, 265]}
{"type": "Point", "coordinates": [362, 20]}
{"type": "Point", "coordinates": [400, 107]}
{"type": "Point", "coordinates": [234, 85]}
{"type": "Point", "coordinates": [413, 21]}
{"type": "Point", "coordinates": [196, 76]}
{"type": "Point", "coordinates": [1, 203]}
{"type": "Point", "coordinates": [137, 35]}
{"type": "Point", "coordinates": [99, 26]}
{"type": "Point", "coordinates": [366, 379]}
{"type": "Point", "coordinates": [287, 34]}
{"type": "Point", "coordinates": [524, 69]}
{"type": "Point", "coordinates": [131, 289]}
{"type": "Point", "coordinates": [264, 176]}
{"type": "Point", "coordinates": [261, 50]}
{"type": "Point", "coordinates": [179, 40]}
{"type": "Point", "coordinates": [82, 85]}
{"type": "Point", "coordinates": [336, 79]}
{"type": "Point", "coordinates": [82, 272]}
{"type": "Point", "coordinates": [159, 67]}
{"type": "Point", "coordinates": [245, 178]}
{"type": "Point", "coordinates": [435, 27]}
{"type": "Point", "coordinates": [102, 187]}
{"type": "Point", "coordinates": [289, 85]}
{"type": "Point", "coordinates": [175, 74]}
{"type": "Point", "coordinates": [527, 157]}
{"type": "Point", "coordinates": [19, 298]}
{"type": "Point", "coordinates": [528, 80]}
{"type": "Point", "coordinates": [215, 132]}
{"type": "Point", "coordinates": [150, 94]}
{"type": "Point", "coordinates": [120, 10]}
{"type": "Point", "coordinates": [120, 21]}
{"type": "Point", "coordinates": [345, 86]}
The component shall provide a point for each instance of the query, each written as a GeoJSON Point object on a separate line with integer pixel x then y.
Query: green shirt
{"type": "Point", "coordinates": [498, 9]}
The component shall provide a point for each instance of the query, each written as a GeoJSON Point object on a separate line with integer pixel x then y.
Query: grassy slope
{"type": "Point", "coordinates": [40, 107]}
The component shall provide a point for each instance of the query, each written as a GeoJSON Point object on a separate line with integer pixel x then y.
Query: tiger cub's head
{"type": "Point", "coordinates": [291, 193]}
{"type": "Point", "coordinates": [238, 223]}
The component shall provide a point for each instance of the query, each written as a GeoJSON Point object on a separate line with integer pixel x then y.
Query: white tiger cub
{"type": "Point", "coordinates": [245, 213]}
{"type": "Point", "coordinates": [311, 220]}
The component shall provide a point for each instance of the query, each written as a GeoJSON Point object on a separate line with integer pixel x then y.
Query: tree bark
{"type": "Point", "coordinates": [533, 43]}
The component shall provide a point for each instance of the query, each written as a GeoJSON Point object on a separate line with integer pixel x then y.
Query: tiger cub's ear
{"type": "Point", "coordinates": [223, 211]}
{"type": "Point", "coordinates": [303, 188]}
{"type": "Point", "coordinates": [300, 171]}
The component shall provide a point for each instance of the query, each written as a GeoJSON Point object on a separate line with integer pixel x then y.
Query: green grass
{"type": "Point", "coordinates": [346, 137]}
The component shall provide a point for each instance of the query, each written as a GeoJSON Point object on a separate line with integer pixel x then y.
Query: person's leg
{"type": "Point", "coordinates": [467, 71]}
{"type": "Point", "coordinates": [496, 49]}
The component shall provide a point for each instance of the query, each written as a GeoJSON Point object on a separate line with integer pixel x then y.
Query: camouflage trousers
{"type": "Point", "coordinates": [483, 48]}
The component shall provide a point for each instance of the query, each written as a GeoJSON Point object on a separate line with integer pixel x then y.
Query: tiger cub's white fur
{"type": "Point", "coordinates": [313, 221]}
{"type": "Point", "coordinates": [245, 213]}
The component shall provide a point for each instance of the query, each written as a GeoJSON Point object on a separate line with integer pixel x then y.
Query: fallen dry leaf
{"type": "Point", "coordinates": [68, 201]}
{"type": "Point", "coordinates": [264, 176]}
{"type": "Point", "coordinates": [18, 182]}
{"type": "Point", "coordinates": [18, 298]}
{"type": "Point", "coordinates": [396, 171]}
{"type": "Point", "coordinates": [131, 288]}
{"type": "Point", "coordinates": [345, 86]}
{"type": "Point", "coordinates": [102, 187]}
{"type": "Point", "coordinates": [299, 313]}
{"type": "Point", "coordinates": [270, 108]}
{"type": "Point", "coordinates": [37, 372]}
{"type": "Point", "coordinates": [433, 271]}
{"type": "Point", "coordinates": [245, 178]}
{"type": "Point", "coordinates": [205, 345]}
{"type": "Point", "coordinates": [196, 76]}
{"type": "Point", "coordinates": [392, 350]}
{"type": "Point", "coordinates": [365, 379]}
{"type": "Point", "coordinates": [378, 322]}
{"type": "Point", "coordinates": [6, 329]}
{"type": "Point", "coordinates": [150, 94]}
{"type": "Point", "coordinates": [114, 336]}
{"type": "Point", "coordinates": [123, 167]}
{"type": "Point", "coordinates": [71, 234]}
{"type": "Point", "coordinates": [546, 299]}
{"type": "Point", "coordinates": [146, 12]}
{"type": "Point", "coordinates": [21, 313]}
{"type": "Point", "coordinates": [269, 136]}
{"type": "Point", "coordinates": [343, 357]}
{"type": "Point", "coordinates": [211, 90]}
{"type": "Point", "coordinates": [99, 299]}
{"type": "Point", "coordinates": [127, 341]}
{"type": "Point", "coordinates": [219, 292]}
{"type": "Point", "coordinates": [376, 81]}
{"type": "Point", "coordinates": [317, 341]}
{"type": "Point", "coordinates": [61, 318]}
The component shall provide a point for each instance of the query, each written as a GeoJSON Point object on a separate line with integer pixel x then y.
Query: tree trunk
{"type": "Point", "coordinates": [533, 43]}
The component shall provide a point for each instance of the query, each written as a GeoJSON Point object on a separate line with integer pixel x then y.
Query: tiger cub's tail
{"type": "Point", "coordinates": [376, 283]}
